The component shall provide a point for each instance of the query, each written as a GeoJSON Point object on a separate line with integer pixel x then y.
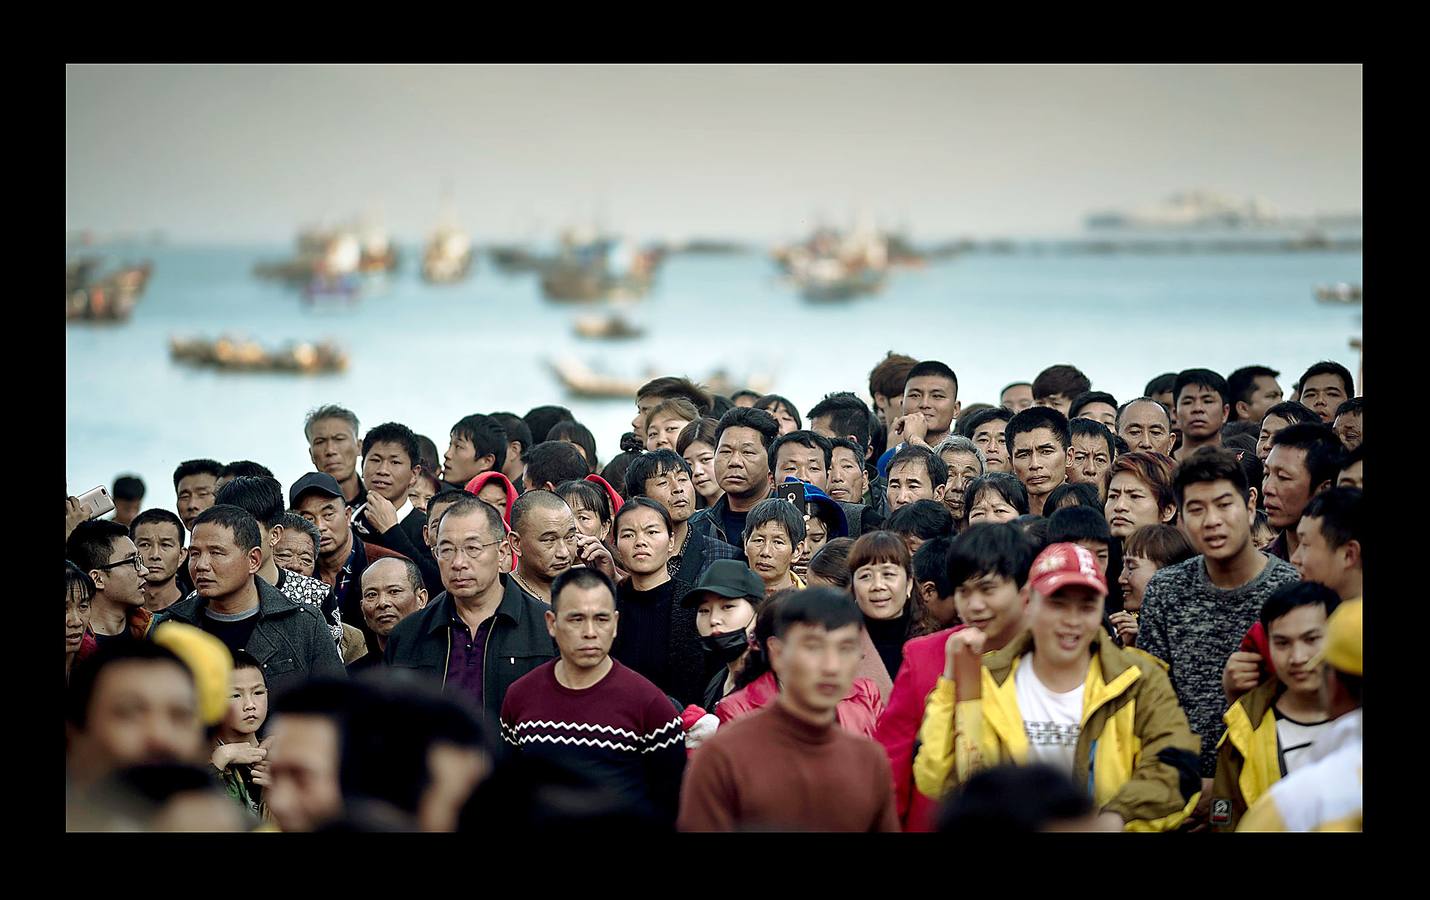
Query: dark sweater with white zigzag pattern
{"type": "Point", "coordinates": [622, 732]}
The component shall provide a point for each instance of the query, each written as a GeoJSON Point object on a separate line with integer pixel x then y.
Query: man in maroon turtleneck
{"type": "Point", "coordinates": [789, 767]}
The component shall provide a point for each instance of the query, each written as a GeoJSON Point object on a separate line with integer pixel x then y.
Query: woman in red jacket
{"type": "Point", "coordinates": [757, 685]}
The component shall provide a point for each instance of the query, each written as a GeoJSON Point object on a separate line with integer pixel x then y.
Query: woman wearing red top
{"type": "Point", "coordinates": [757, 686]}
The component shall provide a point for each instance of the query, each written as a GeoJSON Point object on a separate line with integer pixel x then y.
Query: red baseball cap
{"type": "Point", "coordinates": [1063, 564]}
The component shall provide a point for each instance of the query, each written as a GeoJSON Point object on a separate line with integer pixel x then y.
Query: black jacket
{"type": "Point", "coordinates": [861, 519]}
{"type": "Point", "coordinates": [406, 538]}
{"type": "Point", "coordinates": [517, 644]}
{"type": "Point", "coordinates": [291, 641]}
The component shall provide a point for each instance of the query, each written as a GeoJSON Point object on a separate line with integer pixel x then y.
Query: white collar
{"type": "Point", "coordinates": [405, 510]}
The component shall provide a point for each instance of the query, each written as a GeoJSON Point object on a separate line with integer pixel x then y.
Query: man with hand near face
{"type": "Point", "coordinates": [1063, 694]}
{"type": "Point", "coordinates": [388, 519]}
{"type": "Point", "coordinates": [788, 766]}
{"type": "Point", "coordinates": [586, 712]}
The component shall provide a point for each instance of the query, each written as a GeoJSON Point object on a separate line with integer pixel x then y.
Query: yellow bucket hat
{"type": "Point", "coordinates": [207, 658]}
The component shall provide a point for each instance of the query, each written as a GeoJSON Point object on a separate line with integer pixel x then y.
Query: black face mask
{"type": "Point", "coordinates": [726, 647]}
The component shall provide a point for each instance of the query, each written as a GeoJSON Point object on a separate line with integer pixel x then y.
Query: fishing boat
{"type": "Point", "coordinates": [613, 327]}
{"type": "Point", "coordinates": [513, 259]}
{"type": "Point", "coordinates": [1338, 293]}
{"type": "Point", "coordinates": [581, 380]}
{"type": "Point", "coordinates": [243, 355]}
{"type": "Point", "coordinates": [448, 257]}
{"type": "Point", "coordinates": [110, 298]}
{"type": "Point", "coordinates": [595, 267]}
{"type": "Point", "coordinates": [832, 266]}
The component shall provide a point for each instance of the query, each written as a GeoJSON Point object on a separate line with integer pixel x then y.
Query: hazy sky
{"type": "Point", "coordinates": [210, 153]}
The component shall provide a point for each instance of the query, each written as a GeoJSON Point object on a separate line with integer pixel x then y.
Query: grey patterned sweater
{"type": "Point", "coordinates": [1192, 625]}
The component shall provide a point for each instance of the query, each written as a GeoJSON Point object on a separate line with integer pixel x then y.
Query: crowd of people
{"type": "Point", "coordinates": [1061, 611]}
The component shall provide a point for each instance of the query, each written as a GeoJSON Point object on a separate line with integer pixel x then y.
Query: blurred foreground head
{"type": "Point", "coordinates": [158, 797]}
{"type": "Point", "coordinates": [385, 752]}
{"type": "Point", "coordinates": [1017, 800]}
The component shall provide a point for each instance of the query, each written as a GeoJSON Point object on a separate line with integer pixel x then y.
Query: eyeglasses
{"type": "Point", "coordinates": [471, 550]}
{"type": "Point", "coordinates": [134, 560]}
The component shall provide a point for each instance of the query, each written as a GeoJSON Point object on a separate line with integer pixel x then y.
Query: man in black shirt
{"type": "Point", "coordinates": [742, 469]}
{"type": "Point", "coordinates": [389, 466]}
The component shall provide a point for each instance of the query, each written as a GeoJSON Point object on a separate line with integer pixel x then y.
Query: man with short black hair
{"type": "Point", "coordinates": [435, 508]}
{"type": "Point", "coordinates": [920, 522]}
{"type": "Point", "coordinates": [1161, 390]}
{"type": "Point", "coordinates": [1304, 460]}
{"type": "Point", "coordinates": [105, 551]}
{"type": "Point", "coordinates": [477, 636]}
{"type": "Point", "coordinates": [1146, 425]}
{"type": "Point", "coordinates": [1351, 474]}
{"type": "Point", "coordinates": [1099, 406]}
{"type": "Point", "coordinates": [1038, 439]}
{"type": "Point", "coordinates": [158, 535]}
{"type": "Point", "coordinates": [1056, 386]}
{"type": "Point", "coordinates": [1278, 417]}
{"type": "Point", "coordinates": [388, 519]}
{"type": "Point", "coordinates": [550, 463]}
{"type": "Point", "coordinates": [586, 712]}
{"type": "Point", "coordinates": [664, 477]}
{"type": "Point", "coordinates": [518, 441]}
{"type": "Point", "coordinates": [1252, 390]}
{"type": "Point", "coordinates": [332, 434]}
{"type": "Point", "coordinates": [262, 498]}
{"type": "Point", "coordinates": [742, 469]}
{"type": "Point", "coordinates": [1271, 730]}
{"type": "Point", "coordinates": [1091, 454]}
{"type": "Point", "coordinates": [985, 569]}
{"type": "Point", "coordinates": [477, 444]}
{"type": "Point", "coordinates": [1016, 397]}
{"type": "Point", "coordinates": [1195, 613]}
{"type": "Point", "coordinates": [930, 403]}
{"type": "Point", "coordinates": [841, 415]}
{"type": "Point", "coordinates": [1324, 387]}
{"type": "Point", "coordinates": [290, 640]}
{"type": "Point", "coordinates": [915, 473]}
{"type": "Point", "coordinates": [240, 467]}
{"type": "Point", "coordinates": [788, 766]}
{"type": "Point", "coordinates": [986, 428]}
{"type": "Point", "coordinates": [1202, 410]}
{"type": "Point", "coordinates": [128, 497]}
{"type": "Point", "coordinates": [1348, 423]}
{"type": "Point", "coordinates": [195, 481]}
{"type": "Point", "coordinates": [392, 590]}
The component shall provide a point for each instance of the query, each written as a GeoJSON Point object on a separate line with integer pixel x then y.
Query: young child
{"type": "Point", "coordinates": [238, 755]}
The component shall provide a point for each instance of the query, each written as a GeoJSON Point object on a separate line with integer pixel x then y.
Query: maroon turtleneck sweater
{"type": "Point", "coordinates": [772, 771]}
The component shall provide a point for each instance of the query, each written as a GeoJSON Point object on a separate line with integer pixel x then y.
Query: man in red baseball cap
{"type": "Point", "coordinates": [1063, 694]}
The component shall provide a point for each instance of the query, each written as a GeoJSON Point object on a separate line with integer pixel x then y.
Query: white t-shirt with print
{"type": "Point", "coordinates": [1053, 721]}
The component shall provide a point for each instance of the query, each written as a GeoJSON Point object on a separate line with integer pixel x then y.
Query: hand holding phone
{"type": "Point", "coordinates": [793, 491]}
{"type": "Point", "coordinates": [95, 502]}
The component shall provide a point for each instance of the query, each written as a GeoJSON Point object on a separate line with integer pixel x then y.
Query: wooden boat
{"type": "Point", "coordinates": [111, 298]}
{"type": "Point", "coordinates": [240, 355]}
{"type": "Point", "coordinates": [614, 327]}
{"type": "Point", "coordinates": [582, 381]}
{"type": "Point", "coordinates": [1338, 293]}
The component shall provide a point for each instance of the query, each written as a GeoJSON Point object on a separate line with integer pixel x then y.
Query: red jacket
{"type": "Point", "coordinates": [856, 713]}
{"type": "Point", "coordinates": [898, 727]}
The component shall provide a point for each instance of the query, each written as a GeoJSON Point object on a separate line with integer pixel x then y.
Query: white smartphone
{"type": "Point", "coordinates": [96, 502]}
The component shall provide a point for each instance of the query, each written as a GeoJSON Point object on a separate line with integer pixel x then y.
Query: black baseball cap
{"type": "Point", "coordinates": [321, 482]}
{"type": "Point", "coordinates": [726, 578]}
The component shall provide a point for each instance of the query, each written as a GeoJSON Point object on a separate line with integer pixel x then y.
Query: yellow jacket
{"type": "Point", "coordinates": [1322, 795]}
{"type": "Point", "coordinates": [1135, 752]}
{"type": "Point", "coordinates": [1248, 759]}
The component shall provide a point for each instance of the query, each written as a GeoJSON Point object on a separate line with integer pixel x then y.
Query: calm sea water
{"type": "Point", "coordinates": [427, 355]}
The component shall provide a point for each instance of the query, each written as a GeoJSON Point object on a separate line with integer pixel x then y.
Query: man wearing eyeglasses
{"type": "Point", "coordinates": [105, 551]}
{"type": "Point", "coordinates": [479, 635]}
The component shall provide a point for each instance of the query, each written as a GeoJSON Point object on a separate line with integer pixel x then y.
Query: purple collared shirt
{"type": "Point", "coordinates": [464, 667]}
